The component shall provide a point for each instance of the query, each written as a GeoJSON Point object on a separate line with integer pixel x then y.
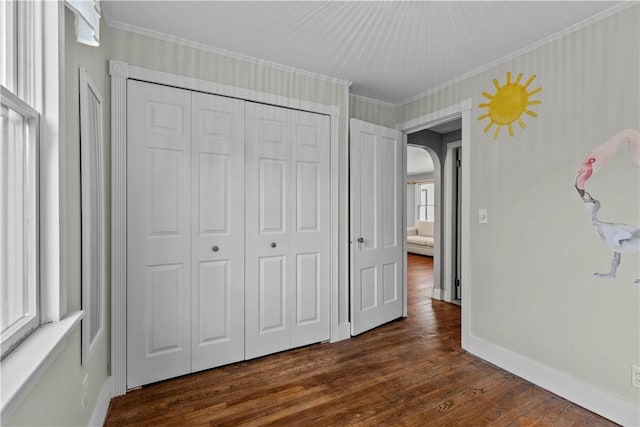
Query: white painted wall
{"type": "Point", "coordinates": [534, 293]}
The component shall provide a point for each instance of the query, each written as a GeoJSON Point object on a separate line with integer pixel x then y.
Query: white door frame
{"type": "Point", "coordinates": [461, 110]}
{"type": "Point", "coordinates": [449, 273]}
{"type": "Point", "coordinates": [120, 72]}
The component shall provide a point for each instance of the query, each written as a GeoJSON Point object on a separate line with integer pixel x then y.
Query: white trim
{"type": "Point", "coordinates": [436, 294]}
{"type": "Point", "coordinates": [535, 45]}
{"type": "Point", "coordinates": [436, 118]}
{"type": "Point", "coordinates": [463, 110]}
{"type": "Point", "coordinates": [22, 368]}
{"type": "Point", "coordinates": [120, 72]}
{"type": "Point", "coordinates": [373, 101]}
{"type": "Point", "coordinates": [343, 330]}
{"type": "Point", "coordinates": [465, 275]}
{"type": "Point", "coordinates": [573, 389]}
{"type": "Point", "coordinates": [169, 79]}
{"type": "Point", "coordinates": [403, 211]}
{"type": "Point", "coordinates": [448, 277]}
{"type": "Point", "coordinates": [122, 26]}
{"type": "Point", "coordinates": [339, 331]}
{"type": "Point", "coordinates": [99, 414]}
{"type": "Point", "coordinates": [53, 254]}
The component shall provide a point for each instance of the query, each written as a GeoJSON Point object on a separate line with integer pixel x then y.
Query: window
{"type": "Point", "coordinates": [19, 180]}
{"type": "Point", "coordinates": [18, 220]}
{"type": "Point", "coordinates": [426, 201]}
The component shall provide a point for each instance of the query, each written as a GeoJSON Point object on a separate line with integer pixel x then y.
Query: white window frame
{"type": "Point", "coordinates": [419, 200]}
{"type": "Point", "coordinates": [93, 236]}
{"type": "Point", "coordinates": [20, 329]}
{"type": "Point", "coordinates": [38, 80]}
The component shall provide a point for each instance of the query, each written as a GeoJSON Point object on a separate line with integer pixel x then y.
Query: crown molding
{"type": "Point", "coordinates": [373, 101]}
{"type": "Point", "coordinates": [122, 26]}
{"type": "Point", "coordinates": [535, 45]}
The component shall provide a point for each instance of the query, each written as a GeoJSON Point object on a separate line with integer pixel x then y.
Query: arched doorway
{"type": "Point", "coordinates": [423, 186]}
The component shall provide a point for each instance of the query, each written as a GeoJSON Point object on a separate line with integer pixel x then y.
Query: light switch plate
{"type": "Point", "coordinates": [482, 216]}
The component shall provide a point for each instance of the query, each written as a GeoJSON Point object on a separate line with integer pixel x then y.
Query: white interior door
{"type": "Point", "coordinates": [158, 232]}
{"type": "Point", "coordinates": [268, 247]}
{"type": "Point", "coordinates": [376, 180]}
{"type": "Point", "coordinates": [217, 244]}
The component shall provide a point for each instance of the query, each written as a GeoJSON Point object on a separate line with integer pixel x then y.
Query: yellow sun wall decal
{"type": "Point", "coordinates": [508, 104]}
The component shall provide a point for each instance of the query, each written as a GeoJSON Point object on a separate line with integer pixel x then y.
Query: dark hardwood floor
{"type": "Point", "coordinates": [411, 372]}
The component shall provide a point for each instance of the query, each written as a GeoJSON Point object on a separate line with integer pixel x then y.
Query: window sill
{"type": "Point", "coordinates": [23, 367]}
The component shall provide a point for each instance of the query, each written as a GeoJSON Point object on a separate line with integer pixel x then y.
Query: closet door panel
{"type": "Point", "coordinates": [268, 276]}
{"type": "Point", "coordinates": [272, 177]}
{"type": "Point", "coordinates": [217, 171]}
{"type": "Point", "coordinates": [272, 294]}
{"type": "Point", "coordinates": [158, 230]}
{"type": "Point", "coordinates": [309, 234]}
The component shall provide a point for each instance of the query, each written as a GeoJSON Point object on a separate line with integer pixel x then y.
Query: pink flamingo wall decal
{"type": "Point", "coordinates": [618, 237]}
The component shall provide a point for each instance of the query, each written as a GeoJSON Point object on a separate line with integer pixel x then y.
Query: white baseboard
{"type": "Point", "coordinates": [436, 294]}
{"type": "Point", "coordinates": [99, 414]}
{"type": "Point", "coordinates": [342, 332]}
{"type": "Point", "coordinates": [447, 296]}
{"type": "Point", "coordinates": [573, 389]}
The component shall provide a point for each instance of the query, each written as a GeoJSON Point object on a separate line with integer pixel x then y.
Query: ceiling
{"type": "Point", "coordinates": [391, 51]}
{"type": "Point", "coordinates": [418, 161]}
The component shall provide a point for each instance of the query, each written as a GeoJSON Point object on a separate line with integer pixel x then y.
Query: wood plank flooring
{"type": "Point", "coordinates": [411, 372]}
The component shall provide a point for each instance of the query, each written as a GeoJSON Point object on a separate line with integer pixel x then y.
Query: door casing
{"type": "Point", "coordinates": [449, 209]}
{"type": "Point", "coordinates": [460, 110]}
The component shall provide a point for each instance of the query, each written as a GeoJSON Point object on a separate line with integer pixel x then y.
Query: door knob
{"type": "Point", "coordinates": [273, 244]}
{"type": "Point", "coordinates": [360, 239]}
{"type": "Point", "coordinates": [215, 249]}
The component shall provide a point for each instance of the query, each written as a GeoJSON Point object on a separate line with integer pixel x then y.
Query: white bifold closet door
{"type": "Point", "coordinates": [227, 253]}
{"type": "Point", "coordinates": [217, 217]}
{"type": "Point", "coordinates": [287, 234]}
{"type": "Point", "coordinates": [185, 231]}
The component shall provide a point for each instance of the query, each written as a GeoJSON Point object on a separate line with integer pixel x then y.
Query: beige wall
{"type": "Point", "coordinates": [532, 268]}
{"type": "Point", "coordinates": [372, 112]}
{"type": "Point", "coordinates": [56, 399]}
